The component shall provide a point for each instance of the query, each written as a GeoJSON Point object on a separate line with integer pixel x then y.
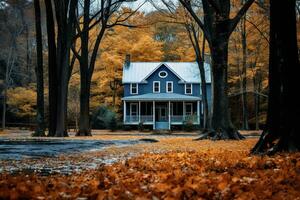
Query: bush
{"type": "Point", "coordinates": [113, 123]}
{"type": "Point", "coordinates": [141, 126]}
{"type": "Point", "coordinates": [188, 126]}
{"type": "Point", "coordinates": [104, 118]}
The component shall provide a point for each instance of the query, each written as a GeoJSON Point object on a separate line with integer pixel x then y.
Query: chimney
{"type": "Point", "coordinates": [127, 60]}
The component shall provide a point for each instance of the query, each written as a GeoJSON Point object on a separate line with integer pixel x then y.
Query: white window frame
{"type": "Point", "coordinates": [137, 88]}
{"type": "Point", "coordinates": [154, 86]}
{"type": "Point", "coordinates": [137, 109]}
{"type": "Point", "coordinates": [171, 86]}
{"type": "Point", "coordinates": [190, 104]}
{"type": "Point", "coordinates": [163, 76]}
{"type": "Point", "coordinates": [191, 88]}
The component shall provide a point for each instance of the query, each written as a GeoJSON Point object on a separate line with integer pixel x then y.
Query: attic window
{"type": "Point", "coordinates": [163, 74]}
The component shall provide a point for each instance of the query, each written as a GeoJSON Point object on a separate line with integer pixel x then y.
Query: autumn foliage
{"type": "Point", "coordinates": [219, 170]}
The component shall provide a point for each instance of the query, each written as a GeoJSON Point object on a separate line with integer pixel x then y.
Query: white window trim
{"type": "Point", "coordinates": [191, 104]}
{"type": "Point", "coordinates": [137, 88]}
{"type": "Point", "coordinates": [162, 76]}
{"type": "Point", "coordinates": [171, 86]}
{"type": "Point", "coordinates": [136, 104]}
{"type": "Point", "coordinates": [154, 86]}
{"type": "Point", "coordinates": [191, 88]}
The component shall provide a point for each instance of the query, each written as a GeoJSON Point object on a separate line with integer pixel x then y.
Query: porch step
{"type": "Point", "coordinates": [161, 125]}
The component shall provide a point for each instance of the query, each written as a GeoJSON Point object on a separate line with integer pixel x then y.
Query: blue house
{"type": "Point", "coordinates": [163, 94]}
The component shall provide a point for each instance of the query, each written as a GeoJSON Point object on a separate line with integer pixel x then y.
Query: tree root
{"type": "Point", "coordinates": [271, 144]}
{"type": "Point", "coordinates": [220, 134]}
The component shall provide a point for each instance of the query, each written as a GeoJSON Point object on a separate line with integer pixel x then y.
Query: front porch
{"type": "Point", "coordinates": [162, 114]}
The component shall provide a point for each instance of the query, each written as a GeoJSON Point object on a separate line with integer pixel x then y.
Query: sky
{"type": "Point", "coordinates": [147, 7]}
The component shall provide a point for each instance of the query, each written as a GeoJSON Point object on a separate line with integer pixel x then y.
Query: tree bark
{"type": "Point", "coordinates": [84, 119]}
{"type": "Point", "coordinates": [52, 72]}
{"type": "Point", "coordinates": [40, 129]}
{"type": "Point", "coordinates": [65, 18]}
{"type": "Point", "coordinates": [221, 121]}
{"type": "Point", "coordinates": [218, 27]}
{"type": "Point", "coordinates": [281, 133]}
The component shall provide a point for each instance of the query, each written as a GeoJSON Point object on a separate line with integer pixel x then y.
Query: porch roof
{"type": "Point", "coordinates": [161, 97]}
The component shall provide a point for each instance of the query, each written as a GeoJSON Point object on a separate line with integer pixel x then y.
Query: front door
{"type": "Point", "coordinates": [161, 113]}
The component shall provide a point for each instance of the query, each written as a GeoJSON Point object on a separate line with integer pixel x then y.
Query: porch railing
{"type": "Point", "coordinates": [174, 118]}
{"type": "Point", "coordinates": [181, 118]}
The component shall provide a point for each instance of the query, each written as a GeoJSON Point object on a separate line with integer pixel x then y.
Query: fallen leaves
{"type": "Point", "coordinates": [183, 169]}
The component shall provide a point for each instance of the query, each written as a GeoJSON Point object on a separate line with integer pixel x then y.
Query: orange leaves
{"type": "Point", "coordinates": [185, 170]}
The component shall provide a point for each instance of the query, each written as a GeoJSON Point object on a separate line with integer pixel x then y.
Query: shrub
{"type": "Point", "coordinates": [113, 123]}
{"type": "Point", "coordinates": [141, 126]}
{"type": "Point", "coordinates": [188, 126]}
{"type": "Point", "coordinates": [104, 118]}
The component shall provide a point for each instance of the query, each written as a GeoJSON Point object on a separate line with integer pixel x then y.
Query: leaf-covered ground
{"type": "Point", "coordinates": [174, 168]}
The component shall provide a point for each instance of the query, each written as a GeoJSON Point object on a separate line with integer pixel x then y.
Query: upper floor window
{"type": "Point", "coordinates": [134, 87]}
{"type": "Point", "coordinates": [169, 86]}
{"type": "Point", "coordinates": [156, 86]}
{"type": "Point", "coordinates": [163, 74]}
{"type": "Point", "coordinates": [188, 88]}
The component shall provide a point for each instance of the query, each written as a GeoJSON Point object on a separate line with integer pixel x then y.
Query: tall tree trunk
{"type": "Point", "coordinates": [221, 121]}
{"type": "Point", "coordinates": [217, 27]}
{"type": "Point", "coordinates": [65, 17]}
{"type": "Point", "coordinates": [206, 123]}
{"type": "Point", "coordinates": [282, 132]}
{"type": "Point", "coordinates": [40, 129]}
{"type": "Point", "coordinates": [52, 72]}
{"type": "Point", "coordinates": [84, 119]}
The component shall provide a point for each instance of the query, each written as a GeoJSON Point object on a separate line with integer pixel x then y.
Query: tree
{"type": "Point", "coordinates": [193, 33]}
{"type": "Point", "coordinates": [281, 132]}
{"type": "Point", "coordinates": [217, 27]}
{"type": "Point", "coordinates": [40, 129]}
{"type": "Point", "coordinates": [52, 71]}
{"type": "Point", "coordinates": [101, 19]}
{"type": "Point", "coordinates": [59, 61]}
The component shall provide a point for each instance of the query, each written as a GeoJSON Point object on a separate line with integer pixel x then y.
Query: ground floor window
{"type": "Point", "coordinates": [188, 109]}
{"type": "Point", "coordinates": [133, 109]}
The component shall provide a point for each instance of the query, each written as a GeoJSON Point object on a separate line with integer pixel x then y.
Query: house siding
{"type": "Point", "coordinates": [179, 88]}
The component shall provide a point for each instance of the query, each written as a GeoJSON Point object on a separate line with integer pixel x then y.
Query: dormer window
{"type": "Point", "coordinates": [188, 88]}
{"type": "Point", "coordinates": [156, 86]}
{"type": "Point", "coordinates": [163, 74]}
{"type": "Point", "coordinates": [134, 88]}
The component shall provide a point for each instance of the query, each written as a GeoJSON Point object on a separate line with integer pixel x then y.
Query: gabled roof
{"type": "Point", "coordinates": [162, 97]}
{"type": "Point", "coordinates": [189, 72]}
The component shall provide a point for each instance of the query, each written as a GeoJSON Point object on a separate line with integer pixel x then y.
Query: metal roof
{"type": "Point", "coordinates": [189, 72]}
{"type": "Point", "coordinates": [162, 97]}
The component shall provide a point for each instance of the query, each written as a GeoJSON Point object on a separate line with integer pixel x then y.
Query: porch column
{"type": "Point", "coordinates": [153, 106]}
{"type": "Point", "coordinates": [183, 110]}
{"type": "Point", "coordinates": [124, 111]}
{"type": "Point", "coordinates": [169, 115]}
{"type": "Point", "coordinates": [139, 111]}
{"type": "Point", "coordinates": [198, 112]}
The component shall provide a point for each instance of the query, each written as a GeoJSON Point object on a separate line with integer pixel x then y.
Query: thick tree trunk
{"type": "Point", "coordinates": [84, 119]}
{"type": "Point", "coordinates": [84, 125]}
{"type": "Point", "coordinates": [221, 121]}
{"type": "Point", "coordinates": [52, 72]}
{"type": "Point", "coordinates": [282, 132]}
{"type": "Point", "coordinates": [40, 129]}
{"type": "Point", "coordinates": [65, 17]}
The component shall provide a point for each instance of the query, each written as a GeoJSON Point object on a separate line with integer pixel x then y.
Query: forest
{"type": "Point", "coordinates": [63, 133]}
